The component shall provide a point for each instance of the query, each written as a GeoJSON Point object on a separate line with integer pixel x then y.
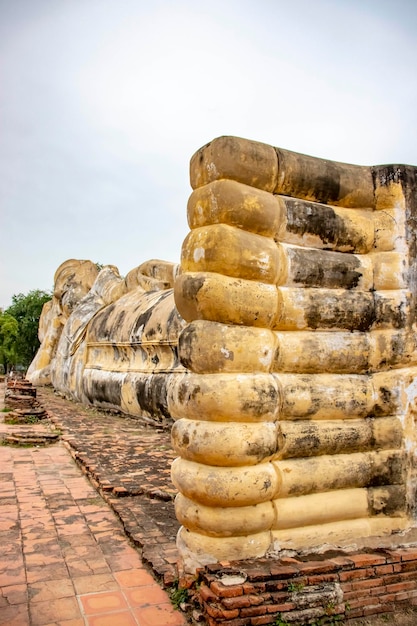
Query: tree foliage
{"type": "Point", "coordinates": [26, 311]}
{"type": "Point", "coordinates": [9, 329]}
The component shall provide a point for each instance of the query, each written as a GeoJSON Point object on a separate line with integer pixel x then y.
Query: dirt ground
{"type": "Point", "coordinates": [403, 617]}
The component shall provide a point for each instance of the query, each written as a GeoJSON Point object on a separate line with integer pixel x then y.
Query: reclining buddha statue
{"type": "Point", "coordinates": [281, 350]}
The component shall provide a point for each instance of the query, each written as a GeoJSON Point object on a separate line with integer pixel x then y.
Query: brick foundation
{"type": "Point", "coordinates": [330, 588]}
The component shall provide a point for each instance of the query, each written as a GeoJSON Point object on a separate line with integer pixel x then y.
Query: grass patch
{"type": "Point", "coordinates": [24, 419]}
{"type": "Point", "coordinates": [178, 596]}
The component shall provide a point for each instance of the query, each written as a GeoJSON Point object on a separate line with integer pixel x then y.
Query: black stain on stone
{"type": "Point", "coordinates": [406, 176]}
{"type": "Point", "coordinates": [264, 400]}
{"type": "Point", "coordinates": [186, 341]}
{"type": "Point", "coordinates": [116, 353]}
{"type": "Point", "coordinates": [104, 391]}
{"type": "Point", "coordinates": [391, 473]}
{"type": "Point", "coordinates": [191, 285]}
{"type": "Point", "coordinates": [352, 311]}
{"type": "Point", "coordinates": [175, 323]}
{"type": "Point", "coordinates": [120, 318]}
{"type": "Point", "coordinates": [185, 394]}
{"type": "Point", "coordinates": [260, 451]}
{"type": "Point", "coordinates": [320, 220]}
{"type": "Point", "coordinates": [388, 314]}
{"type": "Point", "coordinates": [309, 443]}
{"type": "Point", "coordinates": [151, 394]}
{"type": "Point", "coordinates": [141, 322]}
{"type": "Point", "coordinates": [103, 329]}
{"type": "Point", "coordinates": [392, 501]}
{"type": "Point", "coordinates": [317, 268]}
{"type": "Point", "coordinates": [321, 184]}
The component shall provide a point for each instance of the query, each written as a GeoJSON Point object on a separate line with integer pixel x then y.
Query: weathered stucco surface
{"type": "Point", "coordinates": [283, 347]}
{"type": "Point", "coordinates": [115, 345]}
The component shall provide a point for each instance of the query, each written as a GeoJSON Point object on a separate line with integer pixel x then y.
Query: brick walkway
{"type": "Point", "coordinates": [65, 559]}
{"type": "Point", "coordinates": [130, 465]}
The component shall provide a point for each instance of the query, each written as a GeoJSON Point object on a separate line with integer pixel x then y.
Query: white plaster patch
{"type": "Point", "coordinates": [198, 254]}
{"type": "Point", "coordinates": [229, 579]}
{"type": "Point", "coordinates": [213, 199]}
{"type": "Point", "coordinates": [266, 359]}
{"type": "Point", "coordinates": [263, 260]}
{"type": "Point", "coordinates": [211, 168]}
{"type": "Point", "coordinates": [411, 392]}
{"type": "Point", "coordinates": [226, 353]}
{"type": "Point", "coordinates": [400, 241]}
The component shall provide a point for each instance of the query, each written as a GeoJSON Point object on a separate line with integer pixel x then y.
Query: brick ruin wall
{"type": "Point", "coordinates": [331, 590]}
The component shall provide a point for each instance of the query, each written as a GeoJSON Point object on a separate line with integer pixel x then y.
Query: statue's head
{"type": "Point", "coordinates": [72, 281]}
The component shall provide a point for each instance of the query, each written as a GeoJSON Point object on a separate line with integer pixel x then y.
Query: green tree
{"type": "Point", "coordinates": [26, 309]}
{"type": "Point", "coordinates": [9, 329]}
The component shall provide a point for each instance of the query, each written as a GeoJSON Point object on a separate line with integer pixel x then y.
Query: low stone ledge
{"type": "Point", "coordinates": [29, 439]}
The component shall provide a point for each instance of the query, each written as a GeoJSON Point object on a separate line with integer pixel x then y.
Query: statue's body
{"type": "Point", "coordinates": [283, 348]}
{"type": "Point", "coordinates": [108, 340]}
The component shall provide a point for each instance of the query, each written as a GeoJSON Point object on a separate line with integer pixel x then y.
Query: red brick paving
{"type": "Point", "coordinates": [65, 558]}
{"type": "Point", "coordinates": [129, 463]}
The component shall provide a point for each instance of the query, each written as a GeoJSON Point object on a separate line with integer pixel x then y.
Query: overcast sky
{"type": "Point", "coordinates": [103, 103]}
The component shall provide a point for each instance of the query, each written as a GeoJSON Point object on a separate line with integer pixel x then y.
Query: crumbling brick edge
{"type": "Point", "coordinates": [325, 589]}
